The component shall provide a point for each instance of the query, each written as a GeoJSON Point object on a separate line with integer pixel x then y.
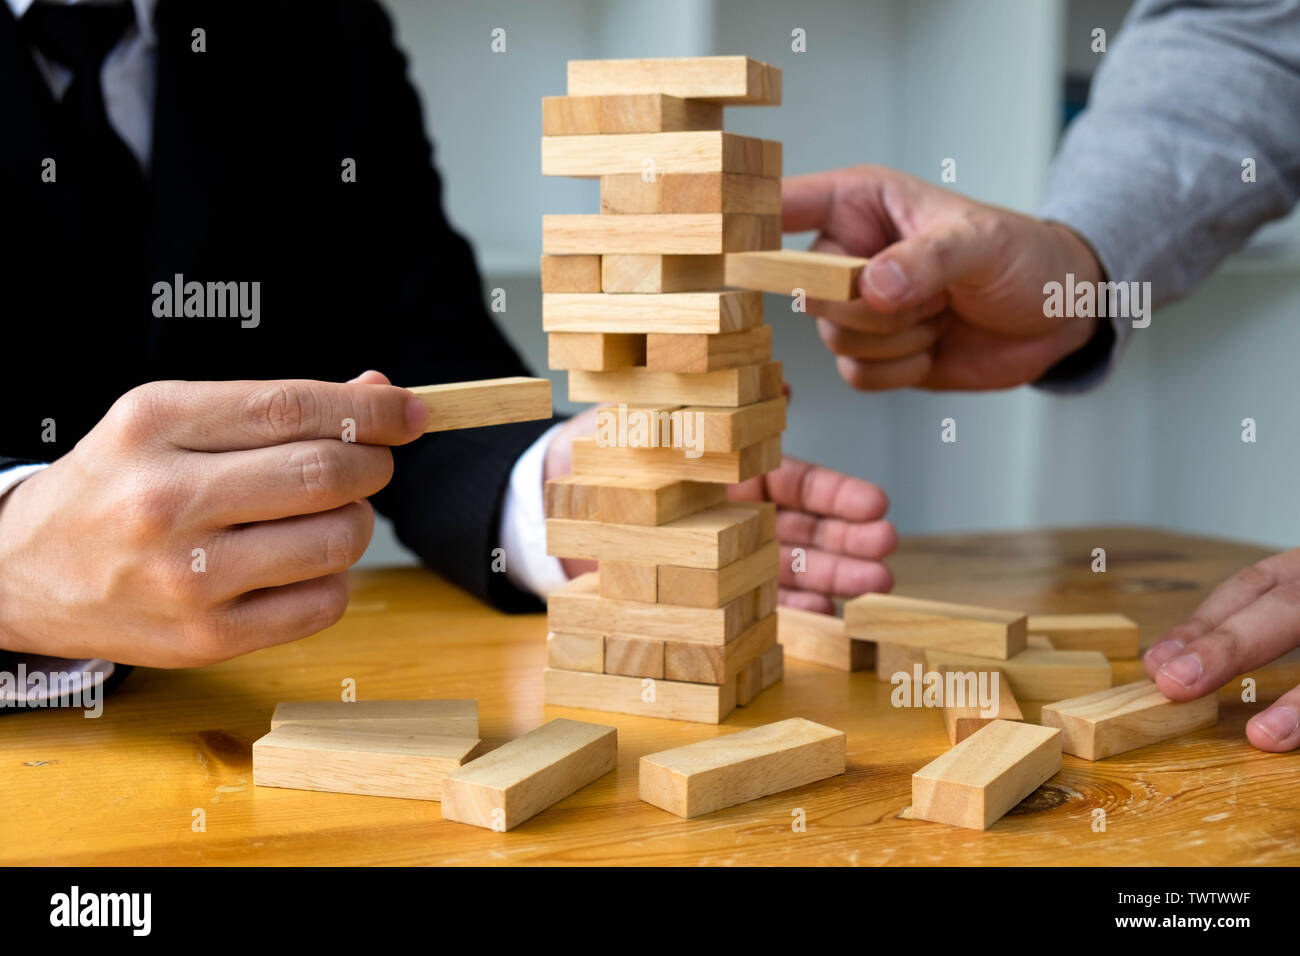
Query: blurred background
{"type": "Point", "coordinates": [907, 83]}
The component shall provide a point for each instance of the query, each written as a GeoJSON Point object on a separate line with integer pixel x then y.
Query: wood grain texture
{"type": "Point", "coordinates": [713, 663]}
{"type": "Point", "coordinates": [641, 696]}
{"type": "Point", "coordinates": [962, 718]}
{"type": "Point", "coordinates": [648, 274]}
{"type": "Point", "coordinates": [960, 628]}
{"type": "Point", "coordinates": [674, 312]}
{"type": "Point", "coordinates": [570, 274]}
{"type": "Point", "coordinates": [578, 606]}
{"type": "Point", "coordinates": [821, 275]}
{"type": "Point", "coordinates": [714, 774]}
{"type": "Point", "coordinates": [725, 467]}
{"type": "Point", "coordinates": [628, 581]}
{"type": "Point", "coordinates": [892, 659]}
{"type": "Point", "coordinates": [1125, 718]}
{"type": "Point", "coordinates": [710, 538]}
{"type": "Point", "coordinates": [821, 639]}
{"type": "Point", "coordinates": [590, 157]}
{"type": "Point", "coordinates": [594, 351]}
{"type": "Point", "coordinates": [629, 500]}
{"type": "Point", "coordinates": [576, 651]}
{"type": "Point", "coordinates": [492, 401]}
{"type": "Point", "coordinates": [1036, 674]}
{"type": "Point", "coordinates": [728, 387]}
{"type": "Point", "coordinates": [685, 234]}
{"type": "Point", "coordinates": [626, 113]}
{"type": "Point", "coordinates": [709, 352]}
{"type": "Point", "coordinates": [673, 193]}
{"type": "Point", "coordinates": [520, 779]}
{"type": "Point", "coordinates": [701, 587]}
{"type": "Point", "coordinates": [728, 80]}
{"type": "Point", "coordinates": [456, 717]}
{"type": "Point", "coordinates": [634, 656]}
{"type": "Point", "coordinates": [1114, 635]}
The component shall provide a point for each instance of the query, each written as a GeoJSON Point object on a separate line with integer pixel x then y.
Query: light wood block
{"type": "Point", "coordinates": [1040, 642]}
{"type": "Point", "coordinates": [718, 663]}
{"type": "Point", "coordinates": [453, 717]}
{"type": "Point", "coordinates": [1124, 718]}
{"type": "Point", "coordinates": [749, 681]}
{"type": "Point", "coordinates": [960, 628]}
{"type": "Point", "coordinates": [570, 273]}
{"type": "Point", "coordinates": [712, 151]}
{"type": "Point", "coordinates": [962, 720]}
{"type": "Point", "coordinates": [518, 780]}
{"type": "Point", "coordinates": [893, 659]}
{"type": "Point", "coordinates": [626, 113]}
{"type": "Point", "coordinates": [625, 581]}
{"type": "Point", "coordinates": [491, 401]}
{"type": "Point", "coordinates": [595, 351]}
{"type": "Point", "coordinates": [821, 638]}
{"type": "Point", "coordinates": [726, 467]}
{"type": "Point", "coordinates": [643, 501]}
{"type": "Point", "coordinates": [731, 429]}
{"type": "Point", "coordinates": [821, 275]}
{"type": "Point", "coordinates": [976, 782]}
{"type": "Point", "coordinates": [693, 234]}
{"type": "Point", "coordinates": [576, 651]}
{"type": "Point", "coordinates": [726, 387]}
{"type": "Point", "coordinates": [652, 274]}
{"type": "Point", "coordinates": [1036, 674]}
{"type": "Point", "coordinates": [634, 656]}
{"type": "Point", "coordinates": [699, 312]}
{"type": "Point", "coordinates": [578, 606]}
{"type": "Point", "coordinates": [708, 352]}
{"type": "Point", "coordinates": [699, 587]}
{"type": "Point", "coordinates": [773, 666]}
{"type": "Point", "coordinates": [1114, 635]}
{"type": "Point", "coordinates": [641, 696]}
{"type": "Point", "coordinates": [631, 194]}
{"type": "Point", "coordinates": [729, 80]}
{"type": "Point", "coordinates": [710, 775]}
{"type": "Point", "coordinates": [359, 756]}
{"type": "Point", "coordinates": [773, 167]}
{"type": "Point", "coordinates": [711, 538]}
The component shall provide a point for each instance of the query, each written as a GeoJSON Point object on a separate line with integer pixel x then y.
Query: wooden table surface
{"type": "Point", "coordinates": [122, 789]}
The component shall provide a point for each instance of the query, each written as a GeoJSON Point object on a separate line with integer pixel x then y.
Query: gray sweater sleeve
{"type": "Point", "coordinates": [1151, 172]}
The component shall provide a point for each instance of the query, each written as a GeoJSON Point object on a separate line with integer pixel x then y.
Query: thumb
{"type": "Point", "coordinates": [920, 267]}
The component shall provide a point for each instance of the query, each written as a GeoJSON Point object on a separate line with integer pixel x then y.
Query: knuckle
{"type": "Point", "coordinates": [279, 410]}
{"type": "Point", "coordinates": [1288, 593]}
{"type": "Point", "coordinates": [319, 470]}
{"type": "Point", "coordinates": [151, 507]}
{"type": "Point", "coordinates": [209, 639]}
{"type": "Point", "coordinates": [139, 412]}
{"type": "Point", "coordinates": [330, 603]}
{"type": "Point", "coordinates": [1256, 578]}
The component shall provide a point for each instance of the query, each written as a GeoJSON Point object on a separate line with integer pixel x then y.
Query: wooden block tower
{"type": "Point", "coordinates": [679, 621]}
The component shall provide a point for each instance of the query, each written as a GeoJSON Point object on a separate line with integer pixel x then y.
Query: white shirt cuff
{"type": "Point", "coordinates": [523, 524]}
{"type": "Point", "coordinates": [11, 476]}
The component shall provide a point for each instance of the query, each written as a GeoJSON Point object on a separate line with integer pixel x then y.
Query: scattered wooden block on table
{"type": "Point", "coordinates": [718, 663]}
{"type": "Point", "coordinates": [570, 274]}
{"type": "Point", "coordinates": [963, 717]}
{"type": "Point", "coordinates": [729, 467]}
{"type": "Point", "coordinates": [1040, 642]}
{"type": "Point", "coordinates": [711, 538]}
{"type": "Point", "coordinates": [700, 587]}
{"type": "Point", "coordinates": [641, 696]}
{"type": "Point", "coordinates": [686, 234]}
{"type": "Point", "coordinates": [366, 757]}
{"type": "Point", "coordinates": [1114, 635]}
{"type": "Point", "coordinates": [729, 80]}
{"type": "Point", "coordinates": [492, 401]}
{"type": "Point", "coordinates": [625, 581]}
{"type": "Point", "coordinates": [595, 351]}
{"type": "Point", "coordinates": [727, 387]}
{"type": "Point", "coordinates": [976, 782]}
{"type": "Point", "coordinates": [1038, 674]}
{"type": "Point", "coordinates": [893, 659]}
{"type": "Point", "coordinates": [711, 151]}
{"type": "Point", "coordinates": [821, 638]}
{"type": "Point", "coordinates": [518, 780]}
{"type": "Point", "coordinates": [821, 275]}
{"type": "Point", "coordinates": [708, 352]}
{"type": "Point", "coordinates": [960, 628]}
{"type": "Point", "coordinates": [451, 717]}
{"type": "Point", "coordinates": [626, 113]}
{"type": "Point", "coordinates": [675, 312]}
{"type": "Point", "coordinates": [576, 651]}
{"type": "Point", "coordinates": [1124, 718]}
{"type": "Point", "coordinates": [645, 501]}
{"type": "Point", "coordinates": [736, 768]}
{"type": "Point", "coordinates": [647, 274]}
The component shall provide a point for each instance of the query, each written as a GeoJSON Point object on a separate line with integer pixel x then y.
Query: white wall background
{"type": "Point", "coordinates": [906, 83]}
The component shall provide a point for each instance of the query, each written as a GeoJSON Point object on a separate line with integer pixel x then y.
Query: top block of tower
{"type": "Point", "coordinates": [728, 80]}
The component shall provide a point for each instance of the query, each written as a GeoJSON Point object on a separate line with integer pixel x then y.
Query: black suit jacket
{"type": "Point", "coordinates": [249, 138]}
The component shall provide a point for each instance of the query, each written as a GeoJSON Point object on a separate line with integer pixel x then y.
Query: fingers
{"type": "Point", "coordinates": [870, 376]}
{"type": "Point", "coordinates": [869, 539]}
{"type": "Point", "coordinates": [857, 316]}
{"type": "Point", "coordinates": [805, 600]}
{"type": "Point", "coordinates": [873, 346]}
{"type": "Point", "coordinates": [971, 358]}
{"type": "Point", "coordinates": [803, 486]}
{"type": "Point", "coordinates": [1277, 729]}
{"type": "Point", "coordinates": [280, 615]}
{"type": "Point", "coordinates": [917, 268]}
{"type": "Point", "coordinates": [807, 202]}
{"type": "Point", "coordinates": [830, 573]}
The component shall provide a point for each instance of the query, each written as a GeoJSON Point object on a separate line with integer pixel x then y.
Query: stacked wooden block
{"type": "Point", "coordinates": [679, 620]}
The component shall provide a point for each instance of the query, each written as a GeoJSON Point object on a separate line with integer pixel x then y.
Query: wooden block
{"type": "Point", "coordinates": [570, 273]}
{"type": "Point", "coordinates": [700, 312]}
{"type": "Point", "coordinates": [1038, 674]}
{"type": "Point", "coordinates": [962, 715]}
{"type": "Point", "coordinates": [821, 275]}
{"type": "Point", "coordinates": [711, 151]}
{"type": "Point", "coordinates": [726, 467]}
{"type": "Point", "coordinates": [773, 666]}
{"type": "Point", "coordinates": [576, 651]}
{"type": "Point", "coordinates": [518, 780]}
{"type": "Point", "coordinates": [448, 718]}
{"type": "Point", "coordinates": [595, 351]}
{"type": "Point", "coordinates": [625, 581]}
{"type": "Point", "coordinates": [660, 273]}
{"type": "Point", "coordinates": [976, 782]}
{"type": "Point", "coordinates": [699, 587]}
{"type": "Point", "coordinates": [772, 164]}
{"type": "Point", "coordinates": [578, 606]}
{"type": "Point", "coordinates": [491, 401]}
{"type": "Point", "coordinates": [729, 80]}
{"type": "Point", "coordinates": [893, 659]}
{"type": "Point", "coordinates": [709, 775]}
{"type": "Point", "coordinates": [1124, 718]}
{"type": "Point", "coordinates": [717, 192]}
{"type": "Point", "coordinates": [711, 538]}
{"type": "Point", "coordinates": [359, 756]}
{"type": "Point", "coordinates": [821, 638]}
{"type": "Point", "coordinates": [693, 234]}
{"type": "Point", "coordinates": [626, 113]}
{"type": "Point", "coordinates": [708, 352]}
{"type": "Point", "coordinates": [960, 628]}
{"type": "Point", "coordinates": [640, 501]}
{"type": "Point", "coordinates": [629, 194]}
{"type": "Point", "coordinates": [1040, 642]}
{"type": "Point", "coordinates": [727, 387]}
{"type": "Point", "coordinates": [718, 663]}
{"type": "Point", "coordinates": [642, 696]}
{"type": "Point", "coordinates": [1114, 635]}
{"type": "Point", "coordinates": [749, 682]}
{"type": "Point", "coordinates": [731, 429]}
{"type": "Point", "coordinates": [634, 656]}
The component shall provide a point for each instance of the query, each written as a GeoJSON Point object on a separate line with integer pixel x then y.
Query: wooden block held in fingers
{"type": "Point", "coordinates": [717, 192]}
{"type": "Point", "coordinates": [821, 638]}
{"type": "Point", "coordinates": [700, 312]}
{"type": "Point", "coordinates": [576, 651]}
{"type": "Point", "coordinates": [727, 387]}
{"type": "Point", "coordinates": [711, 538]}
{"type": "Point", "coordinates": [623, 500]}
{"type": "Point", "coordinates": [729, 80]}
{"type": "Point", "coordinates": [1114, 635]}
{"type": "Point", "coordinates": [962, 696]}
{"type": "Point", "coordinates": [518, 780]}
{"type": "Point", "coordinates": [625, 581]}
{"type": "Point", "coordinates": [718, 663]}
{"type": "Point", "coordinates": [726, 467]}
{"type": "Point", "coordinates": [710, 151]}
{"type": "Point", "coordinates": [1037, 674]}
{"type": "Point", "coordinates": [687, 234]}
{"type": "Point", "coordinates": [652, 274]}
{"type": "Point", "coordinates": [708, 352]}
{"type": "Point", "coordinates": [491, 401]}
{"type": "Point", "coordinates": [626, 113]}
{"type": "Point", "coordinates": [960, 628]}
{"type": "Point", "coordinates": [359, 756]}
{"type": "Point", "coordinates": [634, 656]}
{"type": "Point", "coordinates": [821, 275]}
{"type": "Point", "coordinates": [893, 659]}
{"type": "Point", "coordinates": [594, 351]}
{"type": "Point", "coordinates": [709, 775]}
{"type": "Point", "coordinates": [699, 587]}
{"type": "Point", "coordinates": [452, 717]}
{"type": "Point", "coordinates": [642, 696]}
{"type": "Point", "coordinates": [1124, 718]}
{"type": "Point", "coordinates": [976, 782]}
{"type": "Point", "coordinates": [570, 273]}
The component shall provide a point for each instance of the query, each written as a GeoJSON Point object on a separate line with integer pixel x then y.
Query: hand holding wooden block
{"type": "Point", "coordinates": [820, 275]}
{"type": "Point", "coordinates": [1124, 718]}
{"type": "Point", "coordinates": [489, 401]}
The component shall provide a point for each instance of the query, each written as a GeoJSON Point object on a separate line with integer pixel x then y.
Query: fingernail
{"type": "Point", "coordinates": [1186, 669]}
{"type": "Point", "coordinates": [1279, 722]}
{"type": "Point", "coordinates": [887, 279]}
{"type": "Point", "coordinates": [417, 414]}
{"type": "Point", "coordinates": [1163, 651]}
